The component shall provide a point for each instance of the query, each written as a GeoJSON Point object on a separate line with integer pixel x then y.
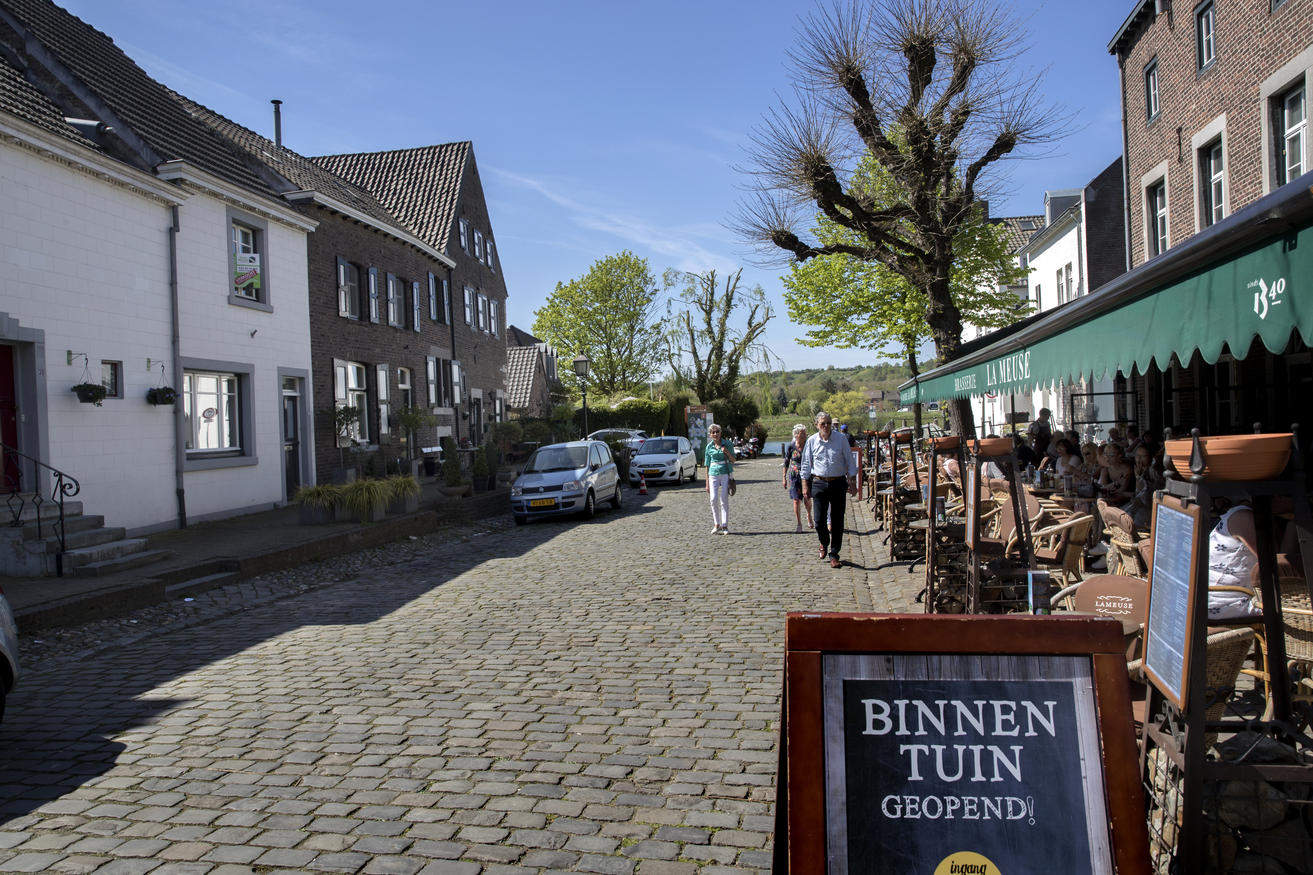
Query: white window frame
{"type": "Point", "coordinates": [487, 247]}
{"type": "Point", "coordinates": [1156, 212]}
{"type": "Point", "coordinates": [1212, 174]}
{"type": "Point", "coordinates": [1062, 290]}
{"type": "Point", "coordinates": [396, 297]}
{"type": "Point", "coordinates": [1205, 35]}
{"type": "Point", "coordinates": [469, 305]}
{"type": "Point", "coordinates": [226, 404]}
{"type": "Point", "coordinates": [1072, 291]}
{"type": "Point", "coordinates": [405, 388]}
{"type": "Point", "coordinates": [478, 245]}
{"type": "Point", "coordinates": [431, 379]}
{"type": "Point", "coordinates": [351, 389]}
{"type": "Point", "coordinates": [493, 316]}
{"type": "Point", "coordinates": [483, 313]}
{"type": "Point", "coordinates": [348, 293]}
{"type": "Point", "coordinates": [1293, 136]}
{"type": "Point", "coordinates": [464, 234]}
{"type": "Point", "coordinates": [446, 301]}
{"type": "Point", "coordinates": [384, 406]}
{"type": "Point", "coordinates": [248, 236]}
{"type": "Point", "coordinates": [373, 295]}
{"type": "Point", "coordinates": [1152, 98]}
{"type": "Point", "coordinates": [433, 298]}
{"type": "Point", "coordinates": [455, 382]}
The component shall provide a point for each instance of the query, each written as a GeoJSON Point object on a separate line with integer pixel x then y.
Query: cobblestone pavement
{"type": "Point", "coordinates": [592, 696]}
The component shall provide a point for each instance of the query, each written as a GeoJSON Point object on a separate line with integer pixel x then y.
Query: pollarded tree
{"type": "Point", "coordinates": [610, 314]}
{"type": "Point", "coordinates": [921, 86]}
{"type": "Point", "coordinates": [705, 344]}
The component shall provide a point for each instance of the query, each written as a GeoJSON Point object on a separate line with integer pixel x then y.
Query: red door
{"type": "Point", "coordinates": [9, 419]}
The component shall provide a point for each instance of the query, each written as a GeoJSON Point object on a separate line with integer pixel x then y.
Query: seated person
{"type": "Point", "coordinates": [1117, 479]}
{"type": "Point", "coordinates": [1068, 461]}
{"type": "Point", "coordinates": [1233, 562]}
{"type": "Point", "coordinates": [1090, 467]}
{"type": "Point", "coordinates": [1148, 480]}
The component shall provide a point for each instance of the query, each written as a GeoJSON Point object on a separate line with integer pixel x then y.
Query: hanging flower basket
{"type": "Point", "coordinates": [91, 393]}
{"type": "Point", "coordinates": [161, 395]}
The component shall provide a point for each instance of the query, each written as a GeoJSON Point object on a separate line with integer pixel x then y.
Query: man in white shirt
{"type": "Point", "coordinates": [829, 474]}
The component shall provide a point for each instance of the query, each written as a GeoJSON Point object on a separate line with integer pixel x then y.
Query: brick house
{"type": "Point", "coordinates": [380, 312]}
{"type": "Point", "coordinates": [1208, 327]}
{"type": "Point", "coordinates": [436, 191]}
{"type": "Point", "coordinates": [530, 375]}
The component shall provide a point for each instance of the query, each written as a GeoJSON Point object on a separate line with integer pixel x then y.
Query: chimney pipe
{"type": "Point", "coordinates": [278, 121]}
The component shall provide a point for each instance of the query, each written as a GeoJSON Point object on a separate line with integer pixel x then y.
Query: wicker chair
{"type": "Point", "coordinates": [1061, 547]}
{"type": "Point", "coordinates": [1122, 541]}
{"type": "Point", "coordinates": [1226, 654]}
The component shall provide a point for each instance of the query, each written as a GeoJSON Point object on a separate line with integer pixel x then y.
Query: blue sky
{"type": "Point", "coordinates": [597, 126]}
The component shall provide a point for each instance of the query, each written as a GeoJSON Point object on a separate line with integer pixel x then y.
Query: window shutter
{"type": "Point", "coordinates": [373, 294]}
{"type": "Point", "coordinates": [433, 298]}
{"type": "Point", "coordinates": [382, 371]}
{"type": "Point", "coordinates": [414, 305]}
{"type": "Point", "coordinates": [343, 305]}
{"type": "Point", "coordinates": [446, 301]}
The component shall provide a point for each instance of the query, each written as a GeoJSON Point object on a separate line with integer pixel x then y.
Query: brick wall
{"type": "Point", "coordinates": [1252, 43]}
{"type": "Point", "coordinates": [1105, 226]}
{"type": "Point", "coordinates": [482, 354]}
{"type": "Point", "coordinates": [336, 337]}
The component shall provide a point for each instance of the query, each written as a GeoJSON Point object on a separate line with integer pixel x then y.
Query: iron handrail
{"type": "Point", "coordinates": [62, 486]}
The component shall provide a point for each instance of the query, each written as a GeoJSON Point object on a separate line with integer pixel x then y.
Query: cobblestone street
{"type": "Point", "coordinates": [594, 696]}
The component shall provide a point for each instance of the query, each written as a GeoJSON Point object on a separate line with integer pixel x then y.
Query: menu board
{"type": "Point", "coordinates": [972, 504]}
{"type": "Point", "coordinates": [1171, 597]}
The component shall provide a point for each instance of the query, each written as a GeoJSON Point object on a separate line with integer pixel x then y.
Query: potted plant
{"type": "Point", "coordinates": [366, 500]}
{"type": "Point", "coordinates": [318, 504]}
{"type": "Point", "coordinates": [91, 393]}
{"type": "Point", "coordinates": [344, 417]}
{"type": "Point", "coordinates": [453, 481]}
{"type": "Point", "coordinates": [404, 494]}
{"type": "Point", "coordinates": [480, 471]}
{"type": "Point", "coordinates": [161, 395]}
{"type": "Point", "coordinates": [411, 420]}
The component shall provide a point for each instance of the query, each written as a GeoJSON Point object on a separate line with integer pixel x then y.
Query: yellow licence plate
{"type": "Point", "coordinates": [542, 502]}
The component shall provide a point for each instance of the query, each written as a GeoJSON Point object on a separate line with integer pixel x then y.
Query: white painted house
{"type": "Point", "coordinates": [138, 251]}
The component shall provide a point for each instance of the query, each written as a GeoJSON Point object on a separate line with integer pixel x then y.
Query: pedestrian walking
{"type": "Point", "coordinates": [828, 474]}
{"type": "Point", "coordinates": [793, 476]}
{"type": "Point", "coordinates": [718, 458]}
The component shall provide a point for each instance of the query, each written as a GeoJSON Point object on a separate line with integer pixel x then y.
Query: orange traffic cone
{"type": "Point", "coordinates": [642, 484]}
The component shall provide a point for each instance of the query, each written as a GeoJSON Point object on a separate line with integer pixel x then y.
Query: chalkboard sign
{"type": "Point", "coordinates": [1171, 596]}
{"type": "Point", "coordinates": [911, 745]}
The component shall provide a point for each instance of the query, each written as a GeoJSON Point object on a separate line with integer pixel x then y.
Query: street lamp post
{"type": "Point", "coordinates": [581, 370]}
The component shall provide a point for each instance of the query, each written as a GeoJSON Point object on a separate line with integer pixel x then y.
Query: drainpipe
{"type": "Point", "coordinates": [1126, 166]}
{"type": "Point", "coordinates": [179, 420]}
{"type": "Point", "coordinates": [455, 418]}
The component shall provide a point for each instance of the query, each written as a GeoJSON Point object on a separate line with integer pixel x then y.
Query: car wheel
{"type": "Point", "coordinates": [617, 499]}
{"type": "Point", "coordinates": [519, 520]}
{"type": "Point", "coordinates": [590, 506]}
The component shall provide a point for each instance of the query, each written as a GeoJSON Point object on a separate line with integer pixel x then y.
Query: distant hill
{"type": "Point", "coordinates": [878, 382]}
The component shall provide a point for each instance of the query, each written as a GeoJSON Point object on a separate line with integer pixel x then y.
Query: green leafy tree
{"type": "Point", "coordinates": [829, 386]}
{"type": "Point", "coordinates": [930, 91]}
{"type": "Point", "coordinates": [850, 408]}
{"type": "Point", "coordinates": [714, 331]}
{"type": "Point", "coordinates": [610, 314]}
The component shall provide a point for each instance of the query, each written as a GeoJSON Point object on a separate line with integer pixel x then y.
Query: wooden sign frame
{"type": "Point", "coordinates": [1162, 649]}
{"type": "Point", "coordinates": [972, 503]}
{"type": "Point", "coordinates": [822, 649]}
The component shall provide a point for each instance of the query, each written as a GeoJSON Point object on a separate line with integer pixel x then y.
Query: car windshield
{"type": "Point", "coordinates": [659, 447]}
{"type": "Point", "coordinates": [557, 459]}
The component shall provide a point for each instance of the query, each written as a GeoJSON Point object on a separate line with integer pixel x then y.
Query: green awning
{"type": "Point", "coordinates": [1262, 291]}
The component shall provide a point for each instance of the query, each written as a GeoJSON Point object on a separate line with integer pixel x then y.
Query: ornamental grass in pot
{"type": "Point", "coordinates": [318, 504]}
{"type": "Point", "coordinates": [404, 494]}
{"type": "Point", "coordinates": [366, 500]}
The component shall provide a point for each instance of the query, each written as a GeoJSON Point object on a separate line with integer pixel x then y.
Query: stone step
{"type": "Point", "coordinates": [86, 538]}
{"type": "Point", "coordinates": [121, 563]}
{"type": "Point", "coordinates": [100, 552]}
{"type": "Point", "coordinates": [79, 523]}
{"type": "Point", "coordinates": [201, 584]}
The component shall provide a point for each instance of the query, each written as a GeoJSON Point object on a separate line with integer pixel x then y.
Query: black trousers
{"type": "Point", "coordinates": [829, 500]}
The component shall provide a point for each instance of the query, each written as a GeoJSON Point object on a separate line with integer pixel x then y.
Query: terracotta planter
{"type": "Point", "coordinates": [991, 446]}
{"type": "Point", "coordinates": [947, 442]}
{"type": "Point", "coordinates": [1234, 457]}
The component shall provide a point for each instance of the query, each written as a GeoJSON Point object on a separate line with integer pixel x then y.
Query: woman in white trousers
{"type": "Point", "coordinates": [719, 460]}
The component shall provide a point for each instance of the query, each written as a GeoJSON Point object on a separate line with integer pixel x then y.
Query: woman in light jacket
{"type": "Point", "coordinates": [719, 459]}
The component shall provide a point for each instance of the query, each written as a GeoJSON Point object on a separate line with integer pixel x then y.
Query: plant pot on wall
{"type": "Point", "coordinates": [91, 393]}
{"type": "Point", "coordinates": [161, 395]}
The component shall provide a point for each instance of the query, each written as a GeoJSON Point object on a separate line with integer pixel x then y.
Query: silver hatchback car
{"type": "Point", "coordinates": [566, 478]}
{"type": "Point", "coordinates": [8, 651]}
